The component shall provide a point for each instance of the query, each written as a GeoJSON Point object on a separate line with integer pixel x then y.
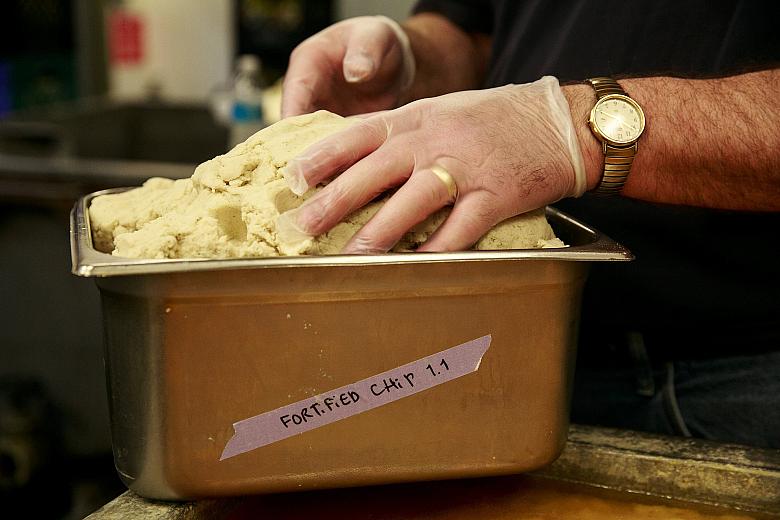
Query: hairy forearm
{"type": "Point", "coordinates": [447, 58]}
{"type": "Point", "coordinates": [711, 142]}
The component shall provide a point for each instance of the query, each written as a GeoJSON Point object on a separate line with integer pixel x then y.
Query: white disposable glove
{"type": "Point", "coordinates": [359, 65]}
{"type": "Point", "coordinates": [509, 150]}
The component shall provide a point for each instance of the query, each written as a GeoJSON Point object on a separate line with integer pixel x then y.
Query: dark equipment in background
{"type": "Point", "coordinates": [33, 475]}
{"type": "Point", "coordinates": [37, 53]}
{"type": "Point", "coordinates": [271, 29]}
{"type": "Point", "coordinates": [60, 138]}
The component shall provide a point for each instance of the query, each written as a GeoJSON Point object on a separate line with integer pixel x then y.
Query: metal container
{"type": "Point", "coordinates": [193, 346]}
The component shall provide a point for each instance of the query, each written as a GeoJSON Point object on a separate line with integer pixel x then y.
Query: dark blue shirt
{"type": "Point", "coordinates": [705, 282]}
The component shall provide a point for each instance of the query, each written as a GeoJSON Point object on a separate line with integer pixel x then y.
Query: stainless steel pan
{"type": "Point", "coordinates": [193, 346]}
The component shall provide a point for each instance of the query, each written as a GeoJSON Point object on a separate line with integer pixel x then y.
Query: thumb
{"type": "Point", "coordinates": [369, 43]}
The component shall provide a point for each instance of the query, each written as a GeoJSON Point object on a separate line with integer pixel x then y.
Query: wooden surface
{"type": "Point", "coordinates": [603, 473]}
{"type": "Point", "coordinates": [520, 497]}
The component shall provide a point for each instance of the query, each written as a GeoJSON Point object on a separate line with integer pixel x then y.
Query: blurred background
{"type": "Point", "coordinates": [97, 94]}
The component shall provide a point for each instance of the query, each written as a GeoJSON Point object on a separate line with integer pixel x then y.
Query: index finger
{"type": "Point", "coordinates": [298, 96]}
{"type": "Point", "coordinates": [305, 80]}
{"type": "Point", "coordinates": [334, 154]}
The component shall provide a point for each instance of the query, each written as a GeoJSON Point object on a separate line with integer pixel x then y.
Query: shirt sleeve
{"type": "Point", "coordinates": [470, 15]}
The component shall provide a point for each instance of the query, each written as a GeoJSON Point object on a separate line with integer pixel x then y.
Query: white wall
{"type": "Point", "coordinates": [395, 9]}
{"type": "Point", "coordinates": [189, 47]}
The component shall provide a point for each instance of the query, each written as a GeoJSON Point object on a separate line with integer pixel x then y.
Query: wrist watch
{"type": "Point", "coordinates": [617, 121]}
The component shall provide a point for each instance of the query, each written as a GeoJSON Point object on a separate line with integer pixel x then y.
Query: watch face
{"type": "Point", "coordinates": [618, 118]}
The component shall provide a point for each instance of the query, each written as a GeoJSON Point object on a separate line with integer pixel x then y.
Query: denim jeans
{"type": "Point", "coordinates": [734, 399]}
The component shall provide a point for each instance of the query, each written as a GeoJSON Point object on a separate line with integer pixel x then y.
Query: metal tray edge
{"type": "Point", "coordinates": [87, 262]}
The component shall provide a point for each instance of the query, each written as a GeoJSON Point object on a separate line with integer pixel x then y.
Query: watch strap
{"type": "Point", "coordinates": [617, 160]}
{"type": "Point", "coordinates": [617, 165]}
{"type": "Point", "coordinates": [605, 86]}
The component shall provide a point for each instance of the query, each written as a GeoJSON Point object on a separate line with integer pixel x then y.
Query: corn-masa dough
{"type": "Point", "coordinates": [229, 207]}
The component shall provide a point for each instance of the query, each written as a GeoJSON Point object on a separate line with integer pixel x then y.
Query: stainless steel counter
{"type": "Point", "coordinates": [63, 152]}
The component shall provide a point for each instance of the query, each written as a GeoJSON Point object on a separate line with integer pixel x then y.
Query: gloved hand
{"type": "Point", "coordinates": [356, 66]}
{"type": "Point", "coordinates": [508, 150]}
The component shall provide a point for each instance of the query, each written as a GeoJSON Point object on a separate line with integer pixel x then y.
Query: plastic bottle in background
{"type": "Point", "coordinates": [247, 113]}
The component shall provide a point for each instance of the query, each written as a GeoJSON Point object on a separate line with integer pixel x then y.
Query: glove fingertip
{"type": "Point", "coordinates": [295, 179]}
{"type": "Point", "coordinates": [358, 68]}
{"type": "Point", "coordinates": [288, 230]}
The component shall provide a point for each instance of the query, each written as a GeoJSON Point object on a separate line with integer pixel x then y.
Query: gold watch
{"type": "Point", "coordinates": [617, 121]}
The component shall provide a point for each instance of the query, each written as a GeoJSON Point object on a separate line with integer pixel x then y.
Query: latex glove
{"type": "Point", "coordinates": [356, 66]}
{"type": "Point", "coordinates": [509, 150]}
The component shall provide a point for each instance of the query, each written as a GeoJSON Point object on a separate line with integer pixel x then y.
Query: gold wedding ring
{"type": "Point", "coordinates": [445, 177]}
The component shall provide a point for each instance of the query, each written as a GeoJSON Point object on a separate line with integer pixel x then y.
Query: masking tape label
{"type": "Point", "coordinates": [352, 399]}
